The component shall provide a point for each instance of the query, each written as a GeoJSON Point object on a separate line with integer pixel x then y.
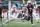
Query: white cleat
{"type": "Point", "coordinates": [33, 24]}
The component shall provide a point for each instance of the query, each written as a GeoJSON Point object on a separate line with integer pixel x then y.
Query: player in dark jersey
{"type": "Point", "coordinates": [0, 11]}
{"type": "Point", "coordinates": [30, 10]}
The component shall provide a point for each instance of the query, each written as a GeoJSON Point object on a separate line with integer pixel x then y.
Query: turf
{"type": "Point", "coordinates": [19, 23]}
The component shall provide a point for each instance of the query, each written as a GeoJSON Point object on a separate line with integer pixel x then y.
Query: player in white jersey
{"type": "Point", "coordinates": [25, 15]}
{"type": "Point", "coordinates": [37, 15]}
{"type": "Point", "coordinates": [13, 14]}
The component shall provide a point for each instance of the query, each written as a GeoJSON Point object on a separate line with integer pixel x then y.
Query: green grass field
{"type": "Point", "coordinates": [19, 23]}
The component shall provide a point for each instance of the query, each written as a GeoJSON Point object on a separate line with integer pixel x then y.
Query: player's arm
{"type": "Point", "coordinates": [33, 6]}
{"type": "Point", "coordinates": [27, 10]}
{"type": "Point", "coordinates": [19, 11]}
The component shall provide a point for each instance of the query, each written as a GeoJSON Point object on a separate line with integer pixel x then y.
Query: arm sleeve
{"type": "Point", "coordinates": [32, 6]}
{"type": "Point", "coordinates": [27, 6]}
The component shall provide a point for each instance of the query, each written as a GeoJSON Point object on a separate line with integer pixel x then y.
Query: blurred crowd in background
{"type": "Point", "coordinates": [18, 4]}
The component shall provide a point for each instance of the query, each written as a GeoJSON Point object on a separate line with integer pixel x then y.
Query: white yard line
{"type": "Point", "coordinates": [21, 22]}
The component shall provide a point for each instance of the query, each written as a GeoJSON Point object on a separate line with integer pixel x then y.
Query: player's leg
{"type": "Point", "coordinates": [28, 18]}
{"type": "Point", "coordinates": [8, 20]}
{"type": "Point", "coordinates": [5, 22]}
{"type": "Point", "coordinates": [37, 20]}
{"type": "Point", "coordinates": [25, 18]}
{"type": "Point", "coordinates": [23, 15]}
{"type": "Point", "coordinates": [0, 16]}
{"type": "Point", "coordinates": [31, 20]}
{"type": "Point", "coordinates": [37, 17]}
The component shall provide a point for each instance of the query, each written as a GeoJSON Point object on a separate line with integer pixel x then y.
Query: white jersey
{"type": "Point", "coordinates": [37, 15]}
{"type": "Point", "coordinates": [23, 8]}
{"type": "Point", "coordinates": [15, 14]}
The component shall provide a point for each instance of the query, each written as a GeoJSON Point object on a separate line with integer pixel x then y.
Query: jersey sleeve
{"type": "Point", "coordinates": [27, 6]}
{"type": "Point", "coordinates": [32, 4]}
